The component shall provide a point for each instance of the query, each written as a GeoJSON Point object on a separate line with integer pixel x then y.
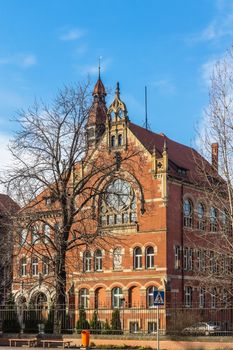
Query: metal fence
{"type": "Point", "coordinates": [176, 321]}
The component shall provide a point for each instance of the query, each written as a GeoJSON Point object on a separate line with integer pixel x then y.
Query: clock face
{"type": "Point", "coordinates": [119, 194]}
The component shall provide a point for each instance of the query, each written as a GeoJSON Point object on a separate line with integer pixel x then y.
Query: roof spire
{"type": "Point", "coordinates": [99, 67]}
{"type": "Point", "coordinates": [117, 90]}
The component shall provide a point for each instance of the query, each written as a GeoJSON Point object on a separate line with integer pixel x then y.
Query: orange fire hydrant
{"type": "Point", "coordinates": [85, 338]}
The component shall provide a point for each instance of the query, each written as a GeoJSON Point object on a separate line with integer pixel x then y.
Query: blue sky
{"type": "Point", "coordinates": [168, 45]}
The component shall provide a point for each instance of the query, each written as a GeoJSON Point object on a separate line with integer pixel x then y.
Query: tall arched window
{"type": "Point", "coordinates": [150, 296]}
{"type": "Point", "coordinates": [83, 298]}
{"type": "Point", "coordinates": [137, 258]}
{"type": "Point", "coordinates": [87, 261]}
{"type": "Point", "coordinates": [45, 265]}
{"type": "Point", "coordinates": [113, 141]}
{"type": "Point", "coordinates": [46, 233]}
{"type": "Point", "coordinates": [23, 236]}
{"type": "Point", "coordinates": [200, 214]}
{"type": "Point", "coordinates": [117, 297]}
{"type": "Point", "coordinates": [120, 140]}
{"type": "Point", "coordinates": [35, 266]}
{"type": "Point", "coordinates": [98, 260]}
{"type": "Point", "coordinates": [119, 204]}
{"type": "Point", "coordinates": [149, 257]}
{"type": "Point", "coordinates": [23, 267]}
{"type": "Point", "coordinates": [188, 213]}
{"type": "Point", "coordinates": [213, 298]}
{"type": "Point", "coordinates": [213, 219]}
{"type": "Point", "coordinates": [34, 235]}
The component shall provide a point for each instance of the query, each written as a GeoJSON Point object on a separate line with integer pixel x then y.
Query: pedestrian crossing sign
{"type": "Point", "coordinates": [158, 297]}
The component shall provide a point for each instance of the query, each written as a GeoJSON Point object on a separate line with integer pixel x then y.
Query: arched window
{"type": "Point", "coordinates": [188, 213]}
{"type": "Point", "coordinates": [87, 261]}
{"type": "Point", "coordinates": [46, 233]}
{"type": "Point", "coordinates": [188, 296]}
{"type": "Point", "coordinates": [213, 298]}
{"type": "Point", "coordinates": [150, 296]}
{"type": "Point", "coordinates": [200, 214]}
{"type": "Point", "coordinates": [23, 236]}
{"type": "Point", "coordinates": [117, 259]}
{"type": "Point", "coordinates": [98, 260]}
{"type": "Point", "coordinates": [23, 267]}
{"type": "Point", "coordinates": [117, 297]}
{"type": "Point", "coordinates": [34, 234]}
{"type": "Point", "coordinates": [45, 265]}
{"type": "Point", "coordinates": [149, 257]}
{"type": "Point", "coordinates": [113, 141]}
{"type": "Point", "coordinates": [35, 266]}
{"type": "Point", "coordinates": [137, 258]}
{"type": "Point", "coordinates": [213, 219]}
{"type": "Point", "coordinates": [119, 204]}
{"type": "Point", "coordinates": [120, 140]}
{"type": "Point", "coordinates": [83, 298]}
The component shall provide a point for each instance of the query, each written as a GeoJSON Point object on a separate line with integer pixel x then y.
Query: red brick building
{"type": "Point", "coordinates": [156, 214]}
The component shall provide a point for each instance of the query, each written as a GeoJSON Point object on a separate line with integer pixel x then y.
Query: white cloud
{"type": "Point", "coordinates": [21, 60]}
{"type": "Point", "coordinates": [164, 85]}
{"type": "Point", "coordinates": [92, 69]}
{"type": "Point", "coordinates": [73, 34]}
{"type": "Point", "coordinates": [219, 27]}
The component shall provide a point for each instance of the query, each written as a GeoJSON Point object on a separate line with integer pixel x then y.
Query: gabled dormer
{"type": "Point", "coordinates": [117, 120]}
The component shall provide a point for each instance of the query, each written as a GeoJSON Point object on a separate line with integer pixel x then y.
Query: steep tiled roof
{"type": "Point", "coordinates": [7, 205]}
{"type": "Point", "coordinates": [99, 88]}
{"type": "Point", "coordinates": [180, 156]}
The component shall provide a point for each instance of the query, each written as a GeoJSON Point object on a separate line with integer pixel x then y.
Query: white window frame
{"type": "Point", "coordinates": [84, 298]}
{"type": "Point", "coordinates": [98, 257]}
{"type": "Point", "coordinates": [177, 262]}
{"type": "Point", "coordinates": [35, 266]}
{"type": "Point", "coordinates": [150, 260]}
{"type": "Point", "coordinates": [117, 296]}
{"type": "Point", "coordinates": [45, 265]}
{"type": "Point", "coordinates": [23, 267]}
{"type": "Point", "coordinates": [150, 296]}
{"type": "Point", "coordinates": [201, 298]}
{"type": "Point", "coordinates": [137, 258]}
{"type": "Point", "coordinates": [87, 261]}
{"type": "Point", "coordinates": [188, 296]}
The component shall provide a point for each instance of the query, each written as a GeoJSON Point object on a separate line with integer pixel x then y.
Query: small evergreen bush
{"type": "Point", "coordinates": [95, 324]}
{"type": "Point", "coordinates": [82, 322]}
{"type": "Point", "coordinates": [116, 322]}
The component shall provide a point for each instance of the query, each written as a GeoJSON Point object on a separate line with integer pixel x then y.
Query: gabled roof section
{"type": "Point", "coordinates": [7, 205]}
{"type": "Point", "coordinates": [180, 157]}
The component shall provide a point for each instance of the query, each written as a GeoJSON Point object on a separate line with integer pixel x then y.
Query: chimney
{"type": "Point", "coordinates": [214, 147]}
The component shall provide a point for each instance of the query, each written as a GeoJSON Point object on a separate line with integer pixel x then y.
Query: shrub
{"type": "Point", "coordinates": [82, 322]}
{"type": "Point", "coordinates": [116, 322]}
{"type": "Point", "coordinates": [95, 324]}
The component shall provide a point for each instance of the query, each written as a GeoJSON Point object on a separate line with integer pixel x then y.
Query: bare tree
{"type": "Point", "coordinates": [215, 140]}
{"type": "Point", "coordinates": [59, 180]}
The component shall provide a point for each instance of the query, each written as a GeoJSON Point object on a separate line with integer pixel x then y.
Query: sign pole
{"type": "Point", "coordinates": [157, 327]}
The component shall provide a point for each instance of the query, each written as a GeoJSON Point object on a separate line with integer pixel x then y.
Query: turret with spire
{"type": "Point", "coordinates": [117, 122]}
{"type": "Point", "coordinates": [98, 113]}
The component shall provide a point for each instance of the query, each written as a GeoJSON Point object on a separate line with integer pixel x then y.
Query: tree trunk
{"type": "Point", "coordinates": [60, 297]}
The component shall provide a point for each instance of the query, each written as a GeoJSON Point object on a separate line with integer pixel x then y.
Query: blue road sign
{"type": "Point", "coordinates": [158, 297]}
